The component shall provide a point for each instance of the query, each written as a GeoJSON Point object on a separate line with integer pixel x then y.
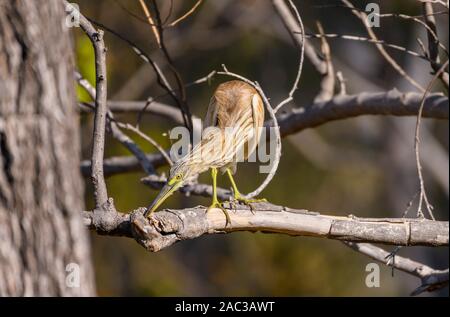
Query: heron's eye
{"type": "Point", "coordinates": [175, 179]}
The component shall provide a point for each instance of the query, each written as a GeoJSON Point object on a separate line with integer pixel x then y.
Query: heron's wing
{"type": "Point", "coordinates": [255, 112]}
{"type": "Point", "coordinates": [258, 120]}
{"type": "Point", "coordinates": [211, 114]}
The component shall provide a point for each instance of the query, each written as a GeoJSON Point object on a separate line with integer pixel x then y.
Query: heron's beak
{"type": "Point", "coordinates": [165, 192]}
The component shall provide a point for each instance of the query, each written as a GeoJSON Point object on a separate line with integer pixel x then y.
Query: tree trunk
{"type": "Point", "coordinates": [44, 247]}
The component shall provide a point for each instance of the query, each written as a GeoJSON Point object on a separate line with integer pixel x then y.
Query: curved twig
{"type": "Point", "coordinates": [300, 66]}
{"type": "Point", "coordinates": [423, 195]}
{"type": "Point", "coordinates": [363, 17]}
{"type": "Point", "coordinates": [274, 122]}
{"type": "Point", "coordinates": [187, 14]}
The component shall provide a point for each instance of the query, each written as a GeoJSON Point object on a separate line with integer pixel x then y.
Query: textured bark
{"type": "Point", "coordinates": [169, 226]}
{"type": "Point", "coordinates": [41, 190]}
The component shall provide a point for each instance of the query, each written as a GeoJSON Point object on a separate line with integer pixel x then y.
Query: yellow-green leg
{"type": "Point", "coordinates": [237, 195]}
{"type": "Point", "coordinates": [215, 202]}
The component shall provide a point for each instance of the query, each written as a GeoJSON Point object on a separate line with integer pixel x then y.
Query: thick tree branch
{"type": "Point", "coordinates": [392, 103]}
{"type": "Point", "coordinates": [167, 227]}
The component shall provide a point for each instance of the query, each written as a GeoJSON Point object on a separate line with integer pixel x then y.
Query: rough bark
{"type": "Point", "coordinates": [41, 192]}
{"type": "Point", "coordinates": [170, 226]}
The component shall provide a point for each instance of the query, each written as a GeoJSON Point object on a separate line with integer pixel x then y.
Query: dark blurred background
{"type": "Point", "coordinates": [363, 166]}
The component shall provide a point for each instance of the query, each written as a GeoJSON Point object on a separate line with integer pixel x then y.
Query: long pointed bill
{"type": "Point", "coordinates": [165, 192]}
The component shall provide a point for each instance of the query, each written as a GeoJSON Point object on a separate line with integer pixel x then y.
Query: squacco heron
{"type": "Point", "coordinates": [232, 125]}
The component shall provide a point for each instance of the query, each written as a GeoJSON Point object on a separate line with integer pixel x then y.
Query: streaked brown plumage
{"type": "Point", "coordinates": [230, 101]}
{"type": "Point", "coordinates": [237, 105]}
{"type": "Point", "coordinates": [232, 124]}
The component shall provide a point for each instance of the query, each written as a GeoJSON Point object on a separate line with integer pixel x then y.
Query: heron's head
{"type": "Point", "coordinates": [180, 173]}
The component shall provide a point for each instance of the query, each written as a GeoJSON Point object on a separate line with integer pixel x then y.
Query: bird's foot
{"type": "Point", "coordinates": [218, 204]}
{"type": "Point", "coordinates": [248, 202]}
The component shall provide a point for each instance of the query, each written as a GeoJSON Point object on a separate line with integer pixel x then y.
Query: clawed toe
{"type": "Point", "coordinates": [225, 212]}
{"type": "Point", "coordinates": [248, 202]}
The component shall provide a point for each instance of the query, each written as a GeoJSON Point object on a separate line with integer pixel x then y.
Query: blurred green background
{"type": "Point", "coordinates": [363, 166]}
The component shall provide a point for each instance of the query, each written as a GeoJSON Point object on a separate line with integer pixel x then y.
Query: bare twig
{"type": "Point", "coordinates": [116, 132]}
{"type": "Point", "coordinates": [423, 195]}
{"type": "Point", "coordinates": [433, 43]}
{"type": "Point", "coordinates": [342, 83]}
{"type": "Point", "coordinates": [131, 13]}
{"type": "Point", "coordinates": [123, 164]}
{"type": "Point", "coordinates": [187, 14]}
{"type": "Point", "coordinates": [201, 80]}
{"type": "Point", "coordinates": [151, 100]}
{"type": "Point", "coordinates": [431, 31]}
{"type": "Point", "coordinates": [151, 22]}
{"type": "Point", "coordinates": [368, 40]}
{"type": "Point", "coordinates": [181, 87]}
{"type": "Point", "coordinates": [98, 147]}
{"type": "Point", "coordinates": [292, 26]}
{"type": "Point", "coordinates": [332, 6]}
{"type": "Point", "coordinates": [422, 47]}
{"type": "Point", "coordinates": [86, 85]}
{"type": "Point", "coordinates": [443, 3]}
{"type": "Point", "coordinates": [363, 17]}
{"type": "Point", "coordinates": [147, 138]}
{"type": "Point", "coordinates": [431, 279]}
{"type": "Point", "coordinates": [328, 80]}
{"type": "Point", "coordinates": [290, 96]}
{"type": "Point", "coordinates": [161, 78]}
{"type": "Point", "coordinates": [155, 108]}
{"type": "Point", "coordinates": [416, 19]}
{"type": "Point", "coordinates": [150, 106]}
